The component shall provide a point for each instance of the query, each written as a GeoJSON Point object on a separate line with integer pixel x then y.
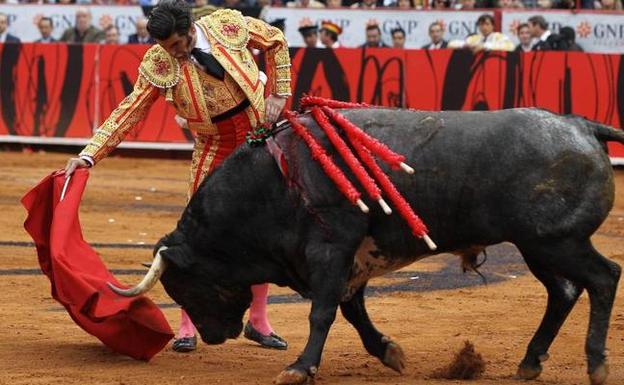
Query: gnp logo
{"type": "Point", "coordinates": [583, 29]}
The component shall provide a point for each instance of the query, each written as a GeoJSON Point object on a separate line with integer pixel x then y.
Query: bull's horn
{"type": "Point", "coordinates": [150, 279]}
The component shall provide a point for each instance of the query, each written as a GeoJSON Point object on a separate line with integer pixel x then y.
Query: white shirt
{"type": "Point", "coordinates": [545, 35]}
{"type": "Point", "coordinates": [435, 46]}
{"type": "Point", "coordinates": [3, 37]}
{"type": "Point", "coordinates": [203, 45]}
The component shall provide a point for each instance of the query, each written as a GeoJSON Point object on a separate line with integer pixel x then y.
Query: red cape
{"type": "Point", "coordinates": [131, 326]}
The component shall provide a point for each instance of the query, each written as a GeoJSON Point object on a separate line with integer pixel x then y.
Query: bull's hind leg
{"type": "Point", "coordinates": [378, 345]}
{"type": "Point", "coordinates": [566, 268]}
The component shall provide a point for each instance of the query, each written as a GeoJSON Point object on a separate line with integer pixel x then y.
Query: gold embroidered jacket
{"type": "Point", "coordinates": [196, 95]}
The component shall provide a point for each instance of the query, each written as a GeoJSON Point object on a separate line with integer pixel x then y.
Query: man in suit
{"type": "Point", "coordinates": [83, 31]}
{"type": "Point", "coordinates": [206, 70]}
{"type": "Point", "coordinates": [6, 37]}
{"type": "Point", "coordinates": [436, 34]}
{"type": "Point", "coordinates": [45, 29]}
{"type": "Point", "coordinates": [540, 32]}
{"type": "Point", "coordinates": [141, 36]}
{"type": "Point", "coordinates": [373, 37]}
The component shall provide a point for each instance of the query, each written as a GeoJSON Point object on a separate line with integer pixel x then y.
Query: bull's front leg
{"type": "Point", "coordinates": [329, 267]}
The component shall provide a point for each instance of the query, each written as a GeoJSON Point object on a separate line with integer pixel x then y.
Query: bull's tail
{"type": "Point", "coordinates": [605, 133]}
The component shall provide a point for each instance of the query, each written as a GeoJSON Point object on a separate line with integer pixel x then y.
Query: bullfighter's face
{"type": "Point", "coordinates": [216, 305]}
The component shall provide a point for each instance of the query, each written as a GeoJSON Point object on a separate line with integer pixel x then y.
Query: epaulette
{"type": "Point", "coordinates": [228, 27]}
{"type": "Point", "coordinates": [159, 68]}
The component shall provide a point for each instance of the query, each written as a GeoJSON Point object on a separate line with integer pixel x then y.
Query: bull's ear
{"type": "Point", "coordinates": [179, 256]}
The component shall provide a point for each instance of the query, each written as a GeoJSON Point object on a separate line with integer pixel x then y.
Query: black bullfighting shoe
{"type": "Point", "coordinates": [272, 340]}
{"type": "Point", "coordinates": [185, 344]}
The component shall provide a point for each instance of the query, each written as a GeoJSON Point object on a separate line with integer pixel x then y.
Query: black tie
{"type": "Point", "coordinates": [213, 67]}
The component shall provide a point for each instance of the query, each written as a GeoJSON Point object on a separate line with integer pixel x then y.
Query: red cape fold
{"type": "Point", "coordinates": [132, 326]}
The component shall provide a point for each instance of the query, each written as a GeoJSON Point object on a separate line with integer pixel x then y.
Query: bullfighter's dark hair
{"type": "Point", "coordinates": [484, 17]}
{"type": "Point", "coordinates": [539, 20]}
{"type": "Point", "coordinates": [169, 17]}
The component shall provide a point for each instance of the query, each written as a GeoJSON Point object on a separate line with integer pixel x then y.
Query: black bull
{"type": "Point", "coordinates": [540, 181]}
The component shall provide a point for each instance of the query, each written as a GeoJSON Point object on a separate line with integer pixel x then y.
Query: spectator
{"type": "Point", "coordinates": [544, 4]}
{"type": "Point", "coordinates": [309, 32]}
{"type": "Point", "coordinates": [111, 35]}
{"type": "Point", "coordinates": [440, 4]}
{"type": "Point", "coordinates": [279, 24]}
{"type": "Point", "coordinates": [334, 3]}
{"type": "Point", "coordinates": [329, 33]}
{"type": "Point", "coordinates": [398, 37]}
{"type": "Point", "coordinates": [6, 37]}
{"type": "Point", "coordinates": [565, 4]}
{"type": "Point", "coordinates": [540, 32]}
{"type": "Point", "coordinates": [568, 36]}
{"type": "Point", "coordinates": [373, 37]}
{"type": "Point", "coordinates": [436, 34]}
{"type": "Point", "coordinates": [611, 5]}
{"type": "Point", "coordinates": [404, 4]}
{"type": "Point", "coordinates": [141, 36]}
{"type": "Point", "coordinates": [84, 31]}
{"type": "Point", "coordinates": [524, 35]}
{"type": "Point", "coordinates": [466, 4]}
{"type": "Point", "coordinates": [510, 4]}
{"type": "Point", "coordinates": [45, 29]}
{"type": "Point", "coordinates": [485, 38]}
{"type": "Point", "coordinates": [365, 4]}
{"type": "Point", "coordinates": [305, 4]}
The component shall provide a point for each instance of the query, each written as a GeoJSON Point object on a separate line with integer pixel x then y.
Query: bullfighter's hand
{"type": "Point", "coordinates": [274, 105]}
{"type": "Point", "coordinates": [73, 164]}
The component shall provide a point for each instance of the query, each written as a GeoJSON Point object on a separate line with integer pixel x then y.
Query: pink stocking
{"type": "Point", "coordinates": [187, 329]}
{"type": "Point", "coordinates": [258, 309]}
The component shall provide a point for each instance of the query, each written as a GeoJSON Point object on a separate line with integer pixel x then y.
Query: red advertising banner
{"type": "Point", "coordinates": [64, 91]}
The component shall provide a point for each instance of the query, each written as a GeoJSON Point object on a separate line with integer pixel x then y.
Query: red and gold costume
{"type": "Point", "coordinates": [219, 111]}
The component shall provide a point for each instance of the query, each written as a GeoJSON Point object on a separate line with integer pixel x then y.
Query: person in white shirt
{"type": "Point", "coordinates": [485, 39]}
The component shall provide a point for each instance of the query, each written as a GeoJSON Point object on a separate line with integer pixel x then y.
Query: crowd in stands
{"type": "Point", "coordinates": [365, 4]}
{"type": "Point", "coordinates": [533, 35]}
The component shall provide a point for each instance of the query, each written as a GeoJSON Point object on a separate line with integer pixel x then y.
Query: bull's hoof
{"type": "Point", "coordinates": [599, 376]}
{"type": "Point", "coordinates": [394, 357]}
{"type": "Point", "coordinates": [528, 372]}
{"type": "Point", "coordinates": [293, 377]}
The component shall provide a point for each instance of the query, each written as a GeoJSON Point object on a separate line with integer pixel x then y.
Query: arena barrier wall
{"type": "Point", "coordinates": [61, 93]}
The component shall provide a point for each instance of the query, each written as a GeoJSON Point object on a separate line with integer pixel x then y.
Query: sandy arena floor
{"type": "Point", "coordinates": [135, 201]}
